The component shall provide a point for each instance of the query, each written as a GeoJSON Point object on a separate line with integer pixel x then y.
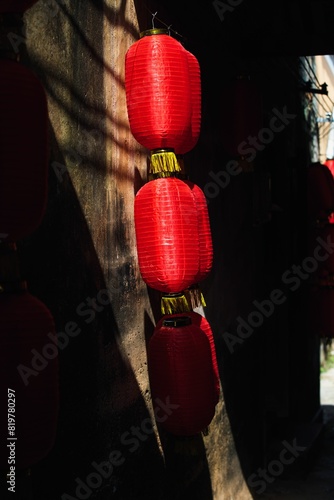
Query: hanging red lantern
{"type": "Point", "coordinates": [181, 372]}
{"type": "Point", "coordinates": [324, 274]}
{"type": "Point", "coordinates": [241, 116]}
{"type": "Point", "coordinates": [200, 321]}
{"type": "Point", "coordinates": [23, 150]}
{"type": "Point", "coordinates": [320, 193]}
{"type": "Point", "coordinates": [16, 6]}
{"type": "Point", "coordinates": [29, 361]}
{"type": "Point", "coordinates": [169, 221]}
{"type": "Point", "coordinates": [192, 297]}
{"type": "Point", "coordinates": [163, 89]}
{"type": "Point", "coordinates": [329, 163]}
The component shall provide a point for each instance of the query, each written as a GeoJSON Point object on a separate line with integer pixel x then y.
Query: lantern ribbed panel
{"type": "Point", "coordinates": [200, 321]}
{"type": "Point", "coordinates": [166, 224]}
{"type": "Point", "coordinates": [180, 371]}
{"type": "Point", "coordinates": [25, 323]}
{"type": "Point", "coordinates": [196, 102]}
{"type": "Point", "coordinates": [320, 191]}
{"type": "Point", "coordinates": [23, 150]}
{"type": "Point", "coordinates": [162, 101]}
{"type": "Point", "coordinates": [16, 6]}
{"type": "Point", "coordinates": [241, 114]}
{"type": "Point", "coordinates": [204, 232]}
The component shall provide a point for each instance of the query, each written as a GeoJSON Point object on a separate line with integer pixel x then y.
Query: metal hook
{"type": "Point", "coordinates": [153, 16]}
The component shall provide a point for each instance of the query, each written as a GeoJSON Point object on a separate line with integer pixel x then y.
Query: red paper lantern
{"type": "Point", "coordinates": [163, 90]}
{"type": "Point", "coordinates": [29, 363]}
{"type": "Point", "coordinates": [181, 372]}
{"type": "Point", "coordinates": [320, 192]}
{"type": "Point", "coordinates": [324, 273]}
{"type": "Point", "coordinates": [193, 297]}
{"type": "Point", "coordinates": [23, 150]}
{"type": "Point", "coordinates": [330, 165]}
{"type": "Point", "coordinates": [172, 234]}
{"type": "Point", "coordinates": [16, 6]}
{"type": "Point", "coordinates": [204, 325]}
{"type": "Point", "coordinates": [241, 115]}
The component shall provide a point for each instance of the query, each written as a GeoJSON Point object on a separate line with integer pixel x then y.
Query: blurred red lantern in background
{"type": "Point", "coordinates": [320, 193]}
{"type": "Point", "coordinates": [330, 165]}
{"type": "Point", "coordinates": [23, 150]}
{"type": "Point", "coordinates": [29, 360]}
{"type": "Point", "coordinates": [181, 372]}
{"type": "Point", "coordinates": [16, 6]}
{"type": "Point", "coordinates": [324, 274]}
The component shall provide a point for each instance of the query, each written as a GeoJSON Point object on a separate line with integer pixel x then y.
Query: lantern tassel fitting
{"type": "Point", "coordinates": [173, 303]}
{"type": "Point", "coordinates": [195, 297]}
{"type": "Point", "coordinates": [164, 160]}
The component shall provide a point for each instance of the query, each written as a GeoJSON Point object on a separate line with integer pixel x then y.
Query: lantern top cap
{"type": "Point", "coordinates": [154, 31]}
{"type": "Point", "coordinates": [177, 321]}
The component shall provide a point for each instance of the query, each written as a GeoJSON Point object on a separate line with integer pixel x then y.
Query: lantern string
{"type": "Point", "coordinates": [154, 17]}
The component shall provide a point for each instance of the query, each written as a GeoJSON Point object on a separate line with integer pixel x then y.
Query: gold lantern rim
{"type": "Point", "coordinates": [154, 31]}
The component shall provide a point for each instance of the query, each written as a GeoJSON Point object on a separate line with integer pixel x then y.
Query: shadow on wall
{"type": "Point", "coordinates": [106, 446]}
{"type": "Point", "coordinates": [101, 404]}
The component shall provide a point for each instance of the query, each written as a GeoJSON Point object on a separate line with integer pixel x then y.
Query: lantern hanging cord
{"type": "Point", "coordinates": [154, 17]}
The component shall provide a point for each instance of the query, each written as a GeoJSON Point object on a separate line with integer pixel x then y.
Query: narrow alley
{"type": "Point", "coordinates": [314, 478]}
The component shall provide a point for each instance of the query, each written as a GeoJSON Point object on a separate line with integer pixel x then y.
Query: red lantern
{"type": "Point", "coordinates": [324, 274]}
{"type": "Point", "coordinates": [241, 115]}
{"type": "Point", "coordinates": [169, 219]}
{"type": "Point", "coordinates": [162, 84]}
{"type": "Point", "coordinates": [16, 6]}
{"type": "Point", "coordinates": [29, 361]}
{"type": "Point", "coordinates": [320, 192]}
{"type": "Point", "coordinates": [330, 165]}
{"type": "Point", "coordinates": [204, 325]}
{"type": "Point", "coordinates": [192, 297]}
{"type": "Point", "coordinates": [181, 372]}
{"type": "Point", "coordinates": [23, 150]}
